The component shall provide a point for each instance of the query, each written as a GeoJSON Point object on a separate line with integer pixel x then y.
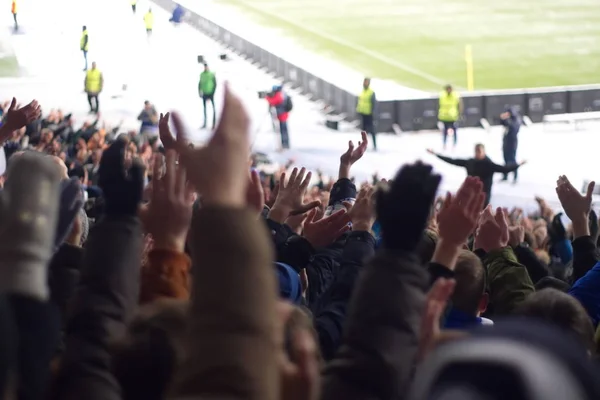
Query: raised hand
{"type": "Point", "coordinates": [435, 304]}
{"type": "Point", "coordinates": [352, 155]}
{"type": "Point", "coordinates": [576, 205]}
{"type": "Point", "coordinates": [458, 215]}
{"type": "Point", "coordinates": [17, 117]}
{"type": "Point", "coordinates": [323, 232]}
{"type": "Point", "coordinates": [291, 194]}
{"type": "Point", "coordinates": [516, 235]}
{"type": "Point", "coordinates": [168, 215]}
{"type": "Point", "coordinates": [164, 132]}
{"type": "Point", "coordinates": [255, 195]}
{"type": "Point", "coordinates": [122, 182]}
{"type": "Point", "coordinates": [403, 209]}
{"type": "Point", "coordinates": [362, 214]}
{"type": "Point", "coordinates": [492, 233]}
{"type": "Point", "coordinates": [219, 171]}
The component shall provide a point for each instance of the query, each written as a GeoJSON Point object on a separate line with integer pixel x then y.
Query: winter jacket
{"type": "Point", "coordinates": [381, 335]}
{"type": "Point", "coordinates": [232, 344]}
{"type": "Point", "coordinates": [277, 101]}
{"type": "Point", "coordinates": [165, 274]}
{"type": "Point", "coordinates": [105, 302]}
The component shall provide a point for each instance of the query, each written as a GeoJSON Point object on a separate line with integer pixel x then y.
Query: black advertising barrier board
{"type": "Point", "coordinates": [272, 63]}
{"type": "Point", "coordinates": [350, 106]}
{"type": "Point", "coordinates": [540, 104]}
{"type": "Point", "coordinates": [497, 104]}
{"type": "Point", "coordinates": [584, 100]}
{"type": "Point", "coordinates": [417, 115]}
{"type": "Point", "coordinates": [303, 79]}
{"type": "Point", "coordinates": [338, 99]}
{"type": "Point", "coordinates": [386, 115]}
{"type": "Point", "coordinates": [472, 111]}
{"type": "Point", "coordinates": [263, 57]}
{"type": "Point", "coordinates": [280, 68]}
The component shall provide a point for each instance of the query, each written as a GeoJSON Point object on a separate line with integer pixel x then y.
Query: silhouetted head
{"type": "Point", "coordinates": [94, 65]}
{"type": "Point", "coordinates": [366, 83]}
{"type": "Point", "coordinates": [84, 28]}
{"type": "Point", "coordinates": [448, 89]}
{"type": "Point", "coordinates": [206, 67]}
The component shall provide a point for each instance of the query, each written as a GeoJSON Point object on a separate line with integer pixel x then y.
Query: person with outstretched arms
{"type": "Point", "coordinates": [480, 166]}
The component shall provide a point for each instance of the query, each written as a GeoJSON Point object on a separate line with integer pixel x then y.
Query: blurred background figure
{"type": "Point", "coordinates": [133, 6]}
{"type": "Point", "coordinates": [511, 119]}
{"type": "Point", "coordinates": [13, 10]}
{"type": "Point", "coordinates": [94, 81]}
{"type": "Point", "coordinates": [206, 89]}
{"type": "Point", "coordinates": [84, 46]}
{"type": "Point", "coordinates": [366, 107]}
{"type": "Point", "coordinates": [450, 110]}
{"type": "Point", "coordinates": [282, 104]}
{"type": "Point", "coordinates": [149, 21]}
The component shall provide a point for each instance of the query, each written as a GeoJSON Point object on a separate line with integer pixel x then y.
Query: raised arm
{"type": "Point", "coordinates": [454, 161]}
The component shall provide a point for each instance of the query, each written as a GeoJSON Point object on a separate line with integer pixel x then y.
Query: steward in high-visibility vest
{"type": "Point", "coordinates": [133, 5]}
{"type": "Point", "coordinates": [84, 45]}
{"type": "Point", "coordinates": [449, 112]}
{"type": "Point", "coordinates": [93, 80]}
{"type": "Point", "coordinates": [149, 21]}
{"type": "Point", "coordinates": [366, 107]}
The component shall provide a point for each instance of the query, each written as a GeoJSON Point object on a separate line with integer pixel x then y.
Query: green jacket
{"type": "Point", "coordinates": [207, 84]}
{"type": "Point", "coordinates": [508, 281]}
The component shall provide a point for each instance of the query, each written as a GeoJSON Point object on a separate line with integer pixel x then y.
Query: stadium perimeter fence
{"type": "Point", "coordinates": [412, 114]}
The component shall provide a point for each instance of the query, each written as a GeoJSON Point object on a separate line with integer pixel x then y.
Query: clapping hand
{"type": "Point", "coordinates": [492, 233]}
{"type": "Point", "coordinates": [168, 215]}
{"type": "Point", "coordinates": [17, 117]}
{"type": "Point", "coordinates": [457, 220]}
{"type": "Point", "coordinates": [576, 206]}
{"type": "Point", "coordinates": [362, 213]}
{"type": "Point", "coordinates": [352, 155]}
{"type": "Point", "coordinates": [290, 196]}
{"type": "Point", "coordinates": [219, 170]}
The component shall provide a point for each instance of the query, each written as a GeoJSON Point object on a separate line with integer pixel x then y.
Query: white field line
{"type": "Point", "coordinates": [345, 43]}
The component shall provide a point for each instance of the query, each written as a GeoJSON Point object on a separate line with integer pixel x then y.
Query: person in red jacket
{"type": "Point", "coordinates": [282, 105]}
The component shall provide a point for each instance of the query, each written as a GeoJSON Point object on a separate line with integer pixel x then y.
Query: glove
{"type": "Point", "coordinates": [121, 186]}
{"type": "Point", "coordinates": [71, 202]}
{"type": "Point", "coordinates": [29, 209]}
{"type": "Point", "coordinates": [556, 229]}
{"type": "Point", "coordinates": [403, 209]}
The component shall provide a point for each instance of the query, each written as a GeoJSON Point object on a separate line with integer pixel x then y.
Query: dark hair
{"type": "Point", "coordinates": [470, 277]}
{"type": "Point", "coordinates": [145, 360]}
{"type": "Point", "coordinates": [480, 146]}
{"type": "Point", "coordinates": [562, 310]}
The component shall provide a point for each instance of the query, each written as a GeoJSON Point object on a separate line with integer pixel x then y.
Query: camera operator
{"type": "Point", "coordinates": [282, 104]}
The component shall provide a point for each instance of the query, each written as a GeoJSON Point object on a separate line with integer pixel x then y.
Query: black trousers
{"type": "Point", "coordinates": [368, 125]}
{"type": "Point", "coordinates": [93, 102]}
{"type": "Point", "coordinates": [133, 8]}
{"type": "Point", "coordinates": [16, 23]}
{"type": "Point", "coordinates": [211, 98]}
{"type": "Point", "coordinates": [509, 148]}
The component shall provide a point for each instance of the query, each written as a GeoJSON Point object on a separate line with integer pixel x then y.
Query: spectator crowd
{"type": "Point", "coordinates": [135, 266]}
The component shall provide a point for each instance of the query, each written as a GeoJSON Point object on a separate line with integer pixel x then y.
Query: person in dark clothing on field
{"type": "Point", "coordinates": [480, 166]}
{"type": "Point", "coordinates": [512, 121]}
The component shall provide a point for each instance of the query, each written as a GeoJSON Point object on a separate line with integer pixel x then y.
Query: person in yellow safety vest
{"type": "Point", "coordinates": [366, 107]}
{"type": "Point", "coordinates": [133, 5]}
{"type": "Point", "coordinates": [94, 81]}
{"type": "Point", "coordinates": [13, 10]}
{"type": "Point", "coordinates": [149, 20]}
{"type": "Point", "coordinates": [450, 110]}
{"type": "Point", "coordinates": [84, 45]}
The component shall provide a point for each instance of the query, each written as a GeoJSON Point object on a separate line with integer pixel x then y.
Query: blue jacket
{"type": "Point", "coordinates": [512, 125]}
{"type": "Point", "coordinates": [587, 291]}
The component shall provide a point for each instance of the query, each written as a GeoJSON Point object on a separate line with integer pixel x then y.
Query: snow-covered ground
{"type": "Point", "coordinates": [165, 71]}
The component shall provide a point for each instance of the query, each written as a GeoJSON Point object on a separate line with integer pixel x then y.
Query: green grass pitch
{"type": "Point", "coordinates": [421, 43]}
